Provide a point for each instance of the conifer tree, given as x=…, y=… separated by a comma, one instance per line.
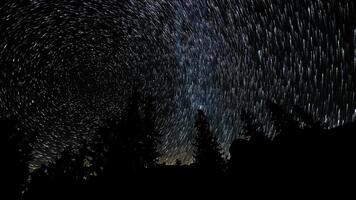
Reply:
x=15, y=148
x=207, y=153
x=152, y=137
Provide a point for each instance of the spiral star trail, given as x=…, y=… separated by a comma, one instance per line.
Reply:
x=68, y=65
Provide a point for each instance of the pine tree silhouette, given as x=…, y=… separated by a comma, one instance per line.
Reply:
x=132, y=137
x=63, y=178
x=152, y=137
x=207, y=153
x=15, y=154
x=41, y=184
x=127, y=144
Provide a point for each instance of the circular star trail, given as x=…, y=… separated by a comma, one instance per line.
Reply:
x=67, y=65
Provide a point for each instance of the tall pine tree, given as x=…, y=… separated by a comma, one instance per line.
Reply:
x=152, y=136
x=130, y=140
x=207, y=153
x=15, y=152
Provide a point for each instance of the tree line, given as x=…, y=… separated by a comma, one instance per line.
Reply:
x=125, y=150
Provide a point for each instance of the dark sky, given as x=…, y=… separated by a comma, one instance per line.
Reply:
x=67, y=65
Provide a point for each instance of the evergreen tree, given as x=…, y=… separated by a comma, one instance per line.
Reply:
x=103, y=149
x=62, y=178
x=207, y=152
x=152, y=137
x=40, y=183
x=15, y=154
x=91, y=159
x=132, y=137
x=130, y=142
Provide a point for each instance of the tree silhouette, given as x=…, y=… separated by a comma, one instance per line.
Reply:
x=127, y=144
x=207, y=153
x=40, y=183
x=178, y=162
x=62, y=178
x=15, y=155
x=70, y=168
x=152, y=137
x=131, y=136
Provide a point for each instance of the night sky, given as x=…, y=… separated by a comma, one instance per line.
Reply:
x=66, y=66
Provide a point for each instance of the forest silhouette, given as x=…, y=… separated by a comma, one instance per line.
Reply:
x=123, y=155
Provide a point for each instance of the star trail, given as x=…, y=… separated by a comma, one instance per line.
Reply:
x=68, y=65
